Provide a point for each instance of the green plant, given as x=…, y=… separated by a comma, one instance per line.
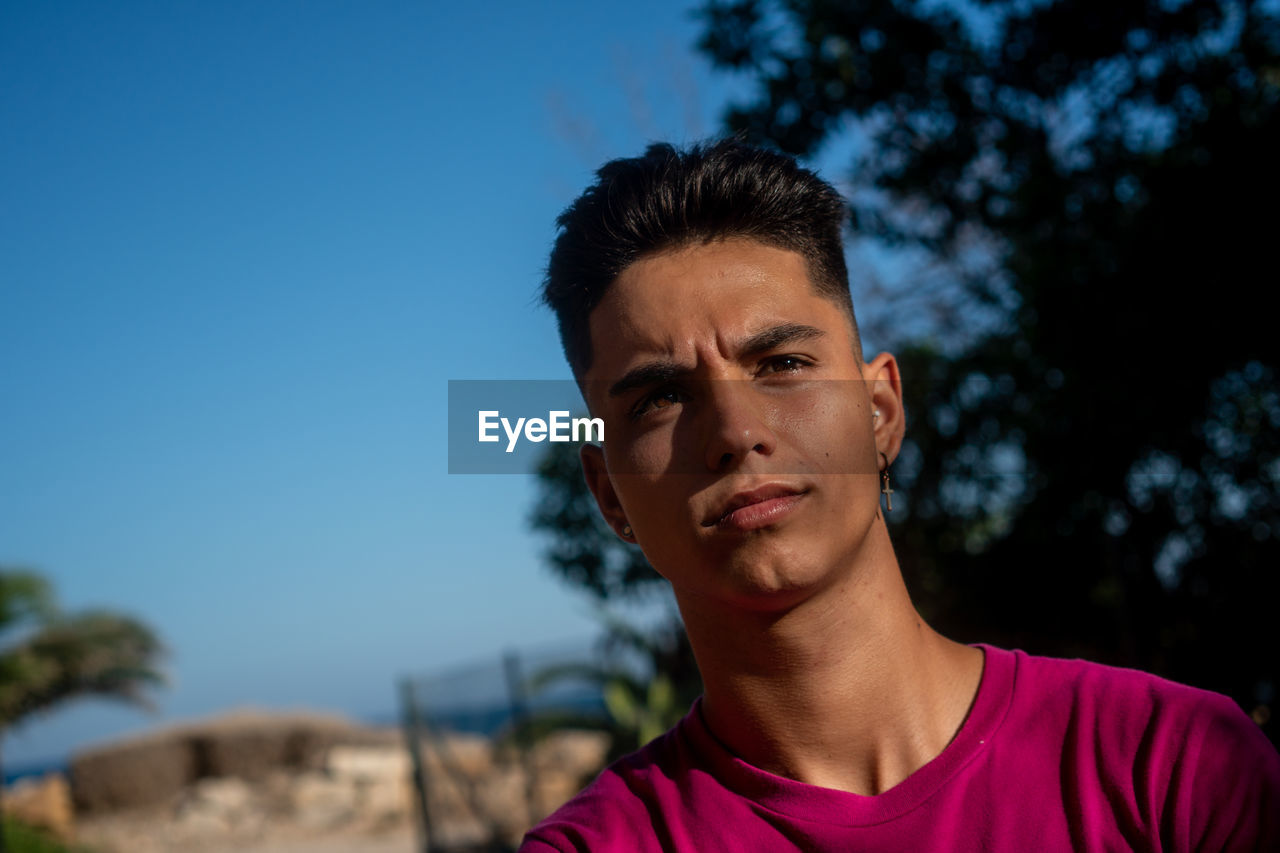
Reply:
x=20, y=838
x=647, y=681
x=49, y=657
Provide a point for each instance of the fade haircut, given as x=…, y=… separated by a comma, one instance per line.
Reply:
x=669, y=199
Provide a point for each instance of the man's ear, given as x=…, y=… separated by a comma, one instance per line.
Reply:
x=884, y=386
x=597, y=477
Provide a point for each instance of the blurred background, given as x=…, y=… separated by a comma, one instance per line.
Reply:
x=245, y=247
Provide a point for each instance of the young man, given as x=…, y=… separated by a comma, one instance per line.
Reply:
x=704, y=307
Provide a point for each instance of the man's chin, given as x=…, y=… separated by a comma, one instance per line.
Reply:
x=769, y=587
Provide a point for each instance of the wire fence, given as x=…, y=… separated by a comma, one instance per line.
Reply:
x=497, y=745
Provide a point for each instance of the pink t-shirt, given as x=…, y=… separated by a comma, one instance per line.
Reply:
x=1054, y=755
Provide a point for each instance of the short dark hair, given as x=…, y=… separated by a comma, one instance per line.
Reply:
x=668, y=199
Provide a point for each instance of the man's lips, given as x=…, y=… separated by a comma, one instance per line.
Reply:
x=755, y=508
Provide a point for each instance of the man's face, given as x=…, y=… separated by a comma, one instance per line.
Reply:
x=740, y=441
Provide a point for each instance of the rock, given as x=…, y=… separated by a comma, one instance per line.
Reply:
x=43, y=803
x=382, y=776
x=229, y=800
x=320, y=801
x=133, y=774
x=196, y=823
x=563, y=761
x=257, y=779
x=385, y=801
x=503, y=796
x=250, y=745
x=368, y=762
x=470, y=754
x=571, y=751
x=150, y=770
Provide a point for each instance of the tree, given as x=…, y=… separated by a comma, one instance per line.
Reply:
x=51, y=657
x=641, y=700
x=1095, y=455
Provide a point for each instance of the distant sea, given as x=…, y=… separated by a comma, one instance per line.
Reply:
x=22, y=771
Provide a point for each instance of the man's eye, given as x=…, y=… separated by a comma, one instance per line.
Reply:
x=661, y=399
x=785, y=364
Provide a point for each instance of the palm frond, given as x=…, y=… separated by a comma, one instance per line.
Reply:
x=95, y=653
x=25, y=596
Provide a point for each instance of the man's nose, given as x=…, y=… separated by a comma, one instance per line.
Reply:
x=735, y=424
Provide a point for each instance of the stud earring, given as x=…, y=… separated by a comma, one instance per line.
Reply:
x=626, y=531
x=885, y=488
x=876, y=413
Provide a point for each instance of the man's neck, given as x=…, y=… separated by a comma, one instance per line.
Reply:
x=849, y=689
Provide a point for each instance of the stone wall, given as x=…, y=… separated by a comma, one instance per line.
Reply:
x=150, y=770
x=233, y=782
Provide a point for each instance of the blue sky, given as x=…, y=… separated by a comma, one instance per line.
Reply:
x=245, y=246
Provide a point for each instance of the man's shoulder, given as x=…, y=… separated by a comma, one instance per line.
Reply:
x=592, y=820
x=615, y=806
x=1193, y=750
x=1119, y=693
x=1125, y=709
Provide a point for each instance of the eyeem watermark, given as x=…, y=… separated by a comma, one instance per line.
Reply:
x=507, y=426
x=558, y=426
x=798, y=426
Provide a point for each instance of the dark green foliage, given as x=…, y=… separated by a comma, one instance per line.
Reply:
x=48, y=658
x=649, y=676
x=1094, y=471
x=55, y=657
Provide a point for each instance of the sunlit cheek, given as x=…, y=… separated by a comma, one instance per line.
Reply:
x=810, y=414
x=798, y=412
x=825, y=423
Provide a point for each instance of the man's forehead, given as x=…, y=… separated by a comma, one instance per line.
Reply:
x=707, y=268
x=731, y=289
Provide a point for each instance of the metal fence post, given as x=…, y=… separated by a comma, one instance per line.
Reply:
x=413, y=735
x=520, y=721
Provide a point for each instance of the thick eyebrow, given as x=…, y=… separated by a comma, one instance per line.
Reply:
x=649, y=373
x=777, y=336
x=663, y=370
